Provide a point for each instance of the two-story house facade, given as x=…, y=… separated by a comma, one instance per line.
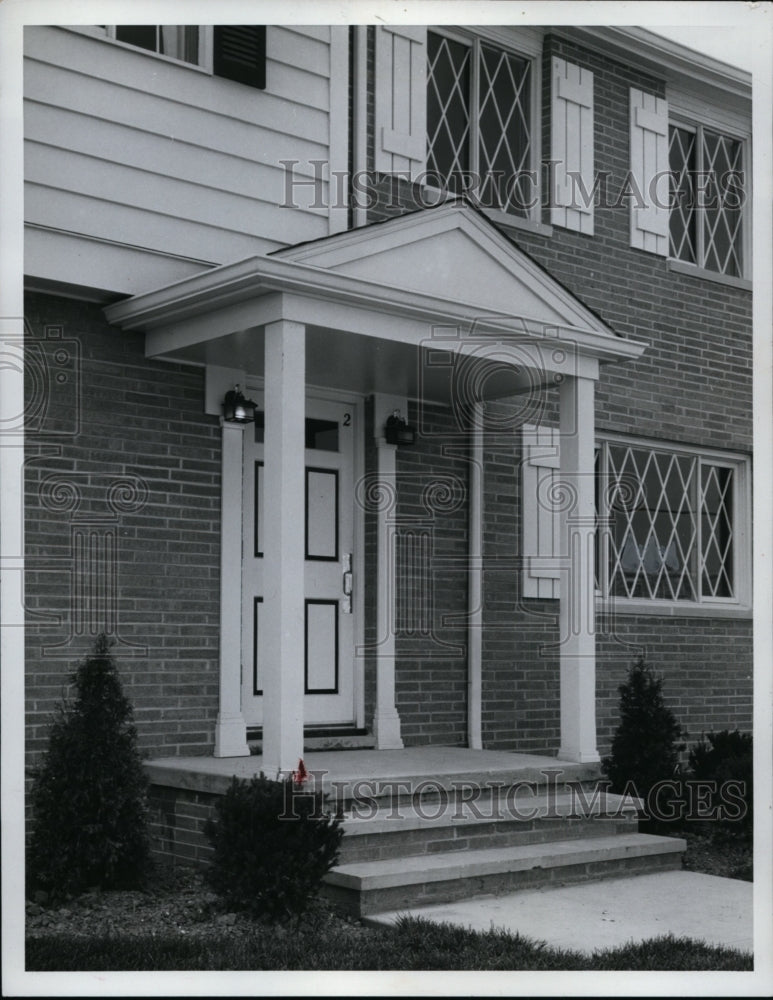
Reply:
x=489, y=290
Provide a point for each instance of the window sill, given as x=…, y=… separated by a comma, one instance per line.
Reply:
x=670, y=609
x=95, y=32
x=505, y=220
x=680, y=267
x=515, y=222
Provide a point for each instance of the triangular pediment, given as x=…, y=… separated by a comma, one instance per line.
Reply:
x=454, y=254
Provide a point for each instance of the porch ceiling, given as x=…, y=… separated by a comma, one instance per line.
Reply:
x=341, y=360
x=392, y=307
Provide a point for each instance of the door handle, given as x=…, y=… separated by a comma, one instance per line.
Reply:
x=347, y=584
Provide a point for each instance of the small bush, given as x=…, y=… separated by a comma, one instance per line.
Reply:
x=722, y=758
x=645, y=749
x=272, y=846
x=89, y=795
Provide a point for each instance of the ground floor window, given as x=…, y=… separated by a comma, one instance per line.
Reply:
x=673, y=524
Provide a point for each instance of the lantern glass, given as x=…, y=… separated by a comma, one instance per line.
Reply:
x=237, y=409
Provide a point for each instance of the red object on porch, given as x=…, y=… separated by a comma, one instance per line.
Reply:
x=301, y=775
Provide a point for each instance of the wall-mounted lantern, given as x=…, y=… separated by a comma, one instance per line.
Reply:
x=237, y=409
x=398, y=431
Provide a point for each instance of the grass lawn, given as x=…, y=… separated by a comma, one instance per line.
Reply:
x=415, y=944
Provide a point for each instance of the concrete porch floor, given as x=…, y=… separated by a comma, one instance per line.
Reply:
x=412, y=766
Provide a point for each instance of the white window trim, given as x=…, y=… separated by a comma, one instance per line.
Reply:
x=203, y=65
x=684, y=117
x=738, y=606
x=528, y=47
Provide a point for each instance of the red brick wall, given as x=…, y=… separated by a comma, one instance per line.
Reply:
x=138, y=477
x=431, y=641
x=706, y=665
x=177, y=824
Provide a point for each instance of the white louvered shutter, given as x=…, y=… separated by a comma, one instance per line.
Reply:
x=571, y=146
x=540, y=517
x=649, y=172
x=401, y=100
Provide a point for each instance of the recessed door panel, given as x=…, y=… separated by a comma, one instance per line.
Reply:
x=321, y=647
x=322, y=514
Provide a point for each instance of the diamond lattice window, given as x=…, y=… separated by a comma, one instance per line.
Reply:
x=448, y=111
x=479, y=134
x=707, y=193
x=669, y=525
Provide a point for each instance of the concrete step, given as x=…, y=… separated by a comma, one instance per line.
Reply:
x=428, y=827
x=397, y=778
x=368, y=887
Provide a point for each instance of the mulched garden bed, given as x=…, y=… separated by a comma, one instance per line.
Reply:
x=177, y=901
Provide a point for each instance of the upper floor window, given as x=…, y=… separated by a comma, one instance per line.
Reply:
x=178, y=41
x=479, y=121
x=707, y=184
x=689, y=172
x=233, y=51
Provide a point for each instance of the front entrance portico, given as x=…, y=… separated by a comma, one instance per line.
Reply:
x=355, y=312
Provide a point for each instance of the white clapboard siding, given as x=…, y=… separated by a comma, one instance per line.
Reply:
x=237, y=210
x=540, y=519
x=102, y=264
x=285, y=44
x=649, y=172
x=124, y=146
x=158, y=231
x=229, y=127
x=401, y=99
x=571, y=146
x=318, y=31
x=284, y=85
x=175, y=158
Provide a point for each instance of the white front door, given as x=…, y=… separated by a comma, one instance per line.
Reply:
x=328, y=532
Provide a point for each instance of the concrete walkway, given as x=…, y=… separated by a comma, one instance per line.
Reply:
x=610, y=912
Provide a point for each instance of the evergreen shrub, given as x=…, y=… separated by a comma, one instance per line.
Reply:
x=647, y=743
x=89, y=795
x=273, y=843
x=721, y=758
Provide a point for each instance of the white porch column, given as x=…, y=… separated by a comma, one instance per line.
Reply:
x=230, y=729
x=386, y=723
x=577, y=604
x=475, y=583
x=281, y=638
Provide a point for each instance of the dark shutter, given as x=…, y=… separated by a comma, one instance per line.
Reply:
x=239, y=53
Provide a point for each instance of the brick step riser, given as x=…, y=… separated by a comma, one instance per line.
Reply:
x=359, y=904
x=474, y=836
x=364, y=799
